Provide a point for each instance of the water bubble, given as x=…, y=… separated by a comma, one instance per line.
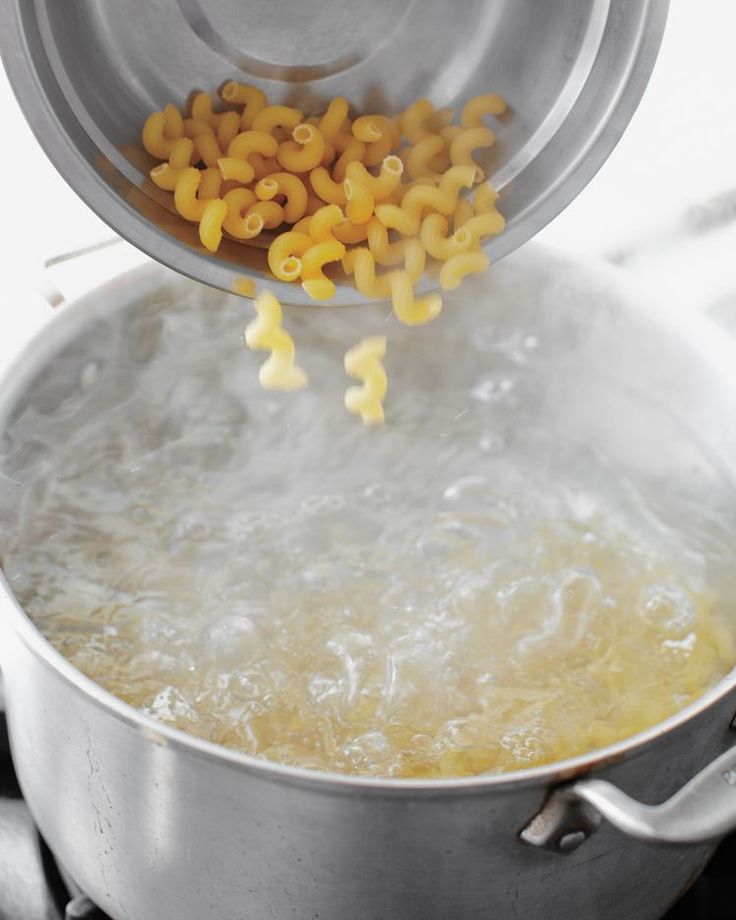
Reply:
x=668, y=608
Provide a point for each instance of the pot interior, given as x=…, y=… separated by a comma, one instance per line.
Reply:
x=553, y=490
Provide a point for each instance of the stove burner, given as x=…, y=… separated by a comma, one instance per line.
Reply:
x=34, y=886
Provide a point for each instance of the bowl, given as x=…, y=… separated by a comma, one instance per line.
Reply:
x=87, y=75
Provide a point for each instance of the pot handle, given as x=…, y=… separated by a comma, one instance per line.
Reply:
x=704, y=809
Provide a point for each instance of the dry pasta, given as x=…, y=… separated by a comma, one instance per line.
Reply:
x=364, y=362
x=368, y=191
x=265, y=333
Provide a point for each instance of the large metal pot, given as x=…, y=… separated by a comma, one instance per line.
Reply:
x=88, y=73
x=155, y=824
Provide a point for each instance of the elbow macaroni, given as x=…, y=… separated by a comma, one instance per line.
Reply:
x=265, y=333
x=364, y=362
x=334, y=189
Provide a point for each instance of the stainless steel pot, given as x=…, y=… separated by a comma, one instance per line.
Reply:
x=156, y=824
x=88, y=73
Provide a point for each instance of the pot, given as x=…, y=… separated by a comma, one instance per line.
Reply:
x=573, y=74
x=158, y=824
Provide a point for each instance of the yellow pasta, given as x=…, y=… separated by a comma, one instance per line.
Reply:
x=323, y=222
x=271, y=212
x=154, y=140
x=207, y=149
x=420, y=157
x=456, y=268
x=363, y=362
x=330, y=183
x=273, y=116
x=379, y=186
x=210, y=226
x=359, y=263
x=462, y=147
x=227, y=129
x=201, y=108
x=384, y=252
x=377, y=133
x=478, y=106
x=304, y=153
x=173, y=122
x=245, y=287
x=332, y=121
x=284, y=254
x=349, y=233
x=238, y=223
x=326, y=188
x=481, y=225
x=210, y=185
x=266, y=333
x=350, y=150
x=243, y=94
x=434, y=237
x=407, y=310
x=360, y=202
x=235, y=168
x=291, y=188
x=397, y=218
x=313, y=262
x=249, y=142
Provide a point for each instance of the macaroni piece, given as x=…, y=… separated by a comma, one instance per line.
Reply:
x=228, y=129
x=409, y=311
x=201, y=108
x=360, y=202
x=245, y=287
x=313, y=262
x=273, y=116
x=182, y=151
x=350, y=233
x=363, y=362
x=154, y=140
x=462, y=147
x=435, y=239
x=291, y=188
x=464, y=210
x=251, y=97
x=457, y=267
x=350, y=150
x=210, y=225
x=489, y=224
x=210, y=185
x=413, y=121
x=394, y=217
x=284, y=253
x=265, y=333
x=384, y=252
x=173, y=122
x=377, y=133
x=332, y=121
x=326, y=188
x=186, y=201
x=250, y=142
x=421, y=157
x=237, y=169
x=271, y=212
x=324, y=221
x=476, y=108
x=379, y=186
x=360, y=263
x=239, y=223
x=207, y=148
x=305, y=152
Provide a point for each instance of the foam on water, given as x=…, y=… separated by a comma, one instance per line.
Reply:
x=475, y=588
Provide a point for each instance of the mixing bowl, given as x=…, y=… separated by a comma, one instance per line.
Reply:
x=88, y=73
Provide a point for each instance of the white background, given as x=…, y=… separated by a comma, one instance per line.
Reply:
x=679, y=153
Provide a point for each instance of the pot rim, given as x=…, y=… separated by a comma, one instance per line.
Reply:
x=701, y=332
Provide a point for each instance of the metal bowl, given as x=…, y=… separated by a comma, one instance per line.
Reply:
x=88, y=73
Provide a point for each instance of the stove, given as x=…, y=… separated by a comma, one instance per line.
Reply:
x=34, y=886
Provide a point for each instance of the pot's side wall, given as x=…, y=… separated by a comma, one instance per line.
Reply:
x=152, y=831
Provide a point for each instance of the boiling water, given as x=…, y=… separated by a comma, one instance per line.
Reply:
x=477, y=587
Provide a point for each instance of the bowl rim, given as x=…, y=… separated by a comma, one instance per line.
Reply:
x=114, y=294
